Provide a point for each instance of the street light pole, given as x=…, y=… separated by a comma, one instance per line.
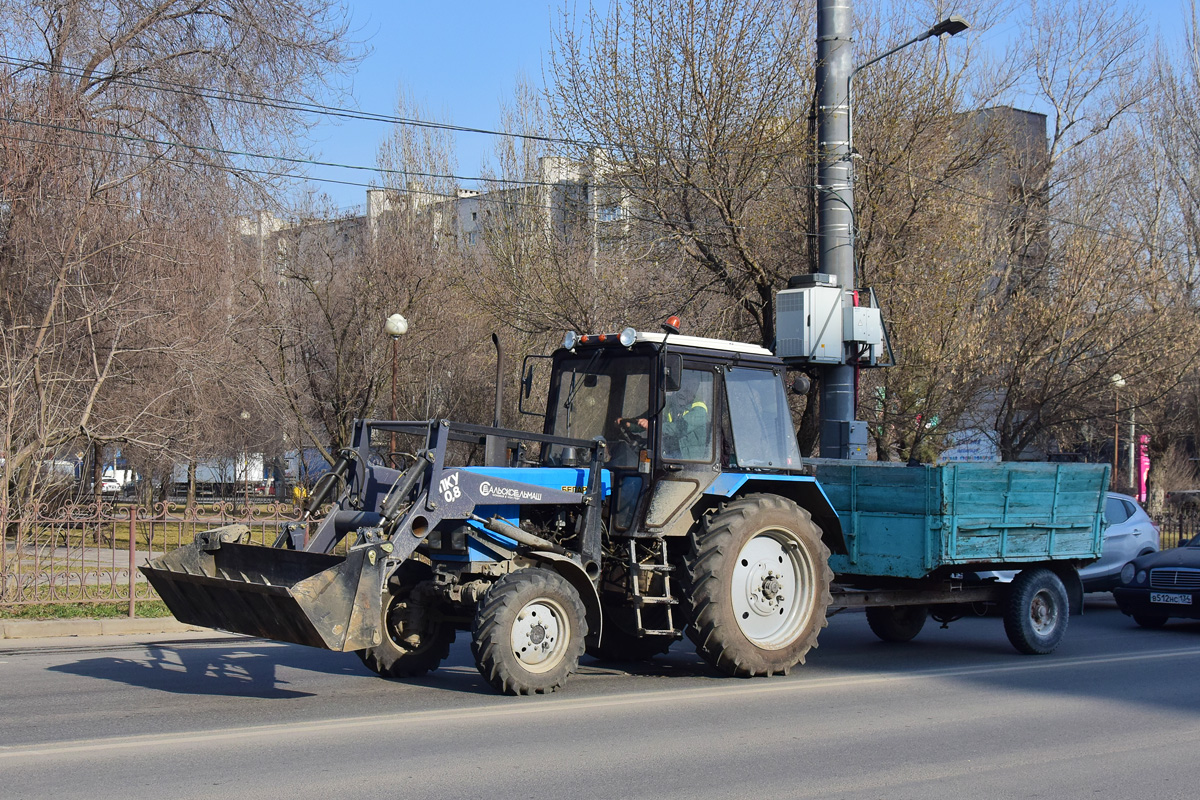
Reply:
x=835, y=198
x=1118, y=383
x=396, y=326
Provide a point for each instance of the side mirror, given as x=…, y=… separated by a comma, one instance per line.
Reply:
x=527, y=387
x=672, y=372
x=527, y=382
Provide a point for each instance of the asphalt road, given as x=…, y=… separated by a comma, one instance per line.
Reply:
x=957, y=713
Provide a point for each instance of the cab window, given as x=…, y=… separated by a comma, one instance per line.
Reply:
x=760, y=420
x=687, y=426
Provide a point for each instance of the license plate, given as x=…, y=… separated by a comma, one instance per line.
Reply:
x=1175, y=599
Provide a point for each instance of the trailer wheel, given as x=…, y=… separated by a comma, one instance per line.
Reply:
x=1036, y=613
x=528, y=632
x=756, y=581
x=414, y=640
x=897, y=623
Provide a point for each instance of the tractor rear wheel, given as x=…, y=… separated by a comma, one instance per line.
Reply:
x=756, y=581
x=415, y=640
x=528, y=632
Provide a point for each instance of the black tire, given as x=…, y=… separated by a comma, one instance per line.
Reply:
x=746, y=619
x=618, y=644
x=415, y=639
x=1151, y=621
x=1036, y=612
x=528, y=632
x=897, y=623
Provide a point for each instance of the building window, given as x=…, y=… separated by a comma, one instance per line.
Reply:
x=471, y=238
x=609, y=213
x=474, y=216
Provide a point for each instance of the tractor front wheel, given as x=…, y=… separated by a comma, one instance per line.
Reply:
x=415, y=640
x=528, y=632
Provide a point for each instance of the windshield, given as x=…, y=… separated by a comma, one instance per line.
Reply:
x=591, y=393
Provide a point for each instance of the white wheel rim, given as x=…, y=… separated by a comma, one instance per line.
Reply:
x=540, y=635
x=773, y=589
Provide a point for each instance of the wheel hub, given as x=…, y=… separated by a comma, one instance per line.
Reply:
x=771, y=589
x=1043, y=614
x=538, y=636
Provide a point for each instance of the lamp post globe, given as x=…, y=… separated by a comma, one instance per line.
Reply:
x=396, y=326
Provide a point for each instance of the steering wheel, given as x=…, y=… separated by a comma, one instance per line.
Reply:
x=631, y=433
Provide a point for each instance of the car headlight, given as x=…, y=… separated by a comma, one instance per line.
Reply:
x=1127, y=573
x=1141, y=576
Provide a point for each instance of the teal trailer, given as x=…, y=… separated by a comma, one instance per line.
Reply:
x=918, y=521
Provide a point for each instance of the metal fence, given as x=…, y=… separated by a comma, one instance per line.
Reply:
x=1178, y=526
x=90, y=554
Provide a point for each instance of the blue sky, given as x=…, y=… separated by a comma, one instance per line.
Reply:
x=459, y=60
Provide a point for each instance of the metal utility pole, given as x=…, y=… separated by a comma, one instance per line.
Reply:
x=835, y=208
x=841, y=435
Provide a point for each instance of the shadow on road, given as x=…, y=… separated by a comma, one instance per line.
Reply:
x=234, y=672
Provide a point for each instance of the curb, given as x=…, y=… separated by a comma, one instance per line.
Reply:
x=118, y=626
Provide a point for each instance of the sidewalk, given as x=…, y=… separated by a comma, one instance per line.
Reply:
x=116, y=626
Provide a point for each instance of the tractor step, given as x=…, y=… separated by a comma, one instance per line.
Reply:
x=646, y=600
x=637, y=567
x=672, y=633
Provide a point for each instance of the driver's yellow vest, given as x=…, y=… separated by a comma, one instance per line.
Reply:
x=697, y=404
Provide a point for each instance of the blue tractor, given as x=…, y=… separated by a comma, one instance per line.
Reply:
x=664, y=494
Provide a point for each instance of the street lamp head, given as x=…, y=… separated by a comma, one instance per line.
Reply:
x=948, y=27
x=1118, y=381
x=396, y=326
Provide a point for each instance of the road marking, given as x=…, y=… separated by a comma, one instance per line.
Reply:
x=508, y=707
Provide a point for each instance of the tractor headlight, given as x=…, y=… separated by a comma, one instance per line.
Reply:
x=628, y=337
x=569, y=340
x=1127, y=573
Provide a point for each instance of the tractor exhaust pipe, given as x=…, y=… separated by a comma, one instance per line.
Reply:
x=497, y=416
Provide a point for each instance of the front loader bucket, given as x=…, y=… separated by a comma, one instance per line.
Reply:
x=287, y=595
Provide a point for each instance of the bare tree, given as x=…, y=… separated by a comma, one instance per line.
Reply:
x=120, y=124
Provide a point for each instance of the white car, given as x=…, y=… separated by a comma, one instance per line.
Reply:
x=1128, y=533
x=110, y=486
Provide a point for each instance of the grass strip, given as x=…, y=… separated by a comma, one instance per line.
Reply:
x=143, y=609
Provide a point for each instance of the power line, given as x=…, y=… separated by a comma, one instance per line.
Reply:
x=236, y=170
x=266, y=101
x=516, y=182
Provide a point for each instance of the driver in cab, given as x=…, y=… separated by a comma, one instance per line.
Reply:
x=687, y=429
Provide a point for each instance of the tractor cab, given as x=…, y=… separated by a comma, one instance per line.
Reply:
x=676, y=411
